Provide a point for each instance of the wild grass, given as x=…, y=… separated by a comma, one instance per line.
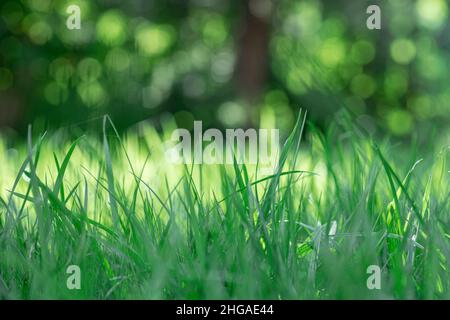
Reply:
x=138, y=227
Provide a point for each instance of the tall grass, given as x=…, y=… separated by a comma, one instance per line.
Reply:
x=138, y=227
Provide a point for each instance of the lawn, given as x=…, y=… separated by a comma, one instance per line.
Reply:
x=338, y=201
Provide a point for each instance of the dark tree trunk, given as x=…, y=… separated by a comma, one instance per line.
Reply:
x=251, y=69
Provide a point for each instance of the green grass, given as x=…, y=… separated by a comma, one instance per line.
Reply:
x=141, y=228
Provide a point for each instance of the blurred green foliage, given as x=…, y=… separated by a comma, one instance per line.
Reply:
x=198, y=59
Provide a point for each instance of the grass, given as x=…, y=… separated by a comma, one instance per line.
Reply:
x=137, y=227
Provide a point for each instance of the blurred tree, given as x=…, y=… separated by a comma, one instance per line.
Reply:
x=223, y=61
x=252, y=63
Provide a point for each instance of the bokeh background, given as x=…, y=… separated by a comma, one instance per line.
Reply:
x=224, y=62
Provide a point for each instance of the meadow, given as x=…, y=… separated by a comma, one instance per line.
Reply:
x=337, y=202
